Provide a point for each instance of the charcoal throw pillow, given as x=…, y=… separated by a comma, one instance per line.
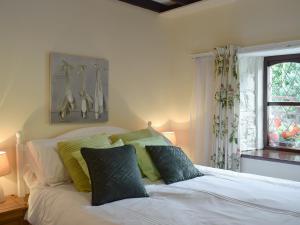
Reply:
x=114, y=174
x=172, y=163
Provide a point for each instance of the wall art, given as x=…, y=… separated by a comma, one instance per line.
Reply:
x=79, y=88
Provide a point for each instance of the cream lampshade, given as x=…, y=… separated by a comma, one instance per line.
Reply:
x=4, y=170
x=171, y=136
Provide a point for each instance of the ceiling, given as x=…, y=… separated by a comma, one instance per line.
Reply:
x=160, y=5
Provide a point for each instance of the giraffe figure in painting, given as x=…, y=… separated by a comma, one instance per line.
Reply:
x=86, y=100
x=68, y=102
x=99, y=97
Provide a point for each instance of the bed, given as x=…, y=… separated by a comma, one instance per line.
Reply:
x=218, y=197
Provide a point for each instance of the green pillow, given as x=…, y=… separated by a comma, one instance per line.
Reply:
x=133, y=135
x=77, y=155
x=65, y=150
x=145, y=163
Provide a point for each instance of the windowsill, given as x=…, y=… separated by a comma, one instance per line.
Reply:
x=273, y=155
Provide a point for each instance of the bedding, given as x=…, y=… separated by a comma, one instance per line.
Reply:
x=218, y=198
x=145, y=163
x=46, y=163
x=77, y=155
x=133, y=135
x=172, y=163
x=65, y=150
x=114, y=173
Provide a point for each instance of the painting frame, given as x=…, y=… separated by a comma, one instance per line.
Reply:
x=78, y=89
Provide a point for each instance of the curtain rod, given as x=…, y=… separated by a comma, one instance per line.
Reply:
x=257, y=48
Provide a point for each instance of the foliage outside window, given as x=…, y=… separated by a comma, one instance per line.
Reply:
x=282, y=102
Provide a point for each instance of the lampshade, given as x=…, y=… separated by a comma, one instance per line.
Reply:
x=171, y=136
x=4, y=165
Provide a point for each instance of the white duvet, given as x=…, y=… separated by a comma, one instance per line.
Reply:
x=218, y=198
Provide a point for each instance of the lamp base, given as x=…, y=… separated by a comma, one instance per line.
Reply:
x=2, y=197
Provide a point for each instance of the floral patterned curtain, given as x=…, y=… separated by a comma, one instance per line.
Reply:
x=226, y=154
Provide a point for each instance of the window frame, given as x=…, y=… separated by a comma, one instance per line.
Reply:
x=270, y=61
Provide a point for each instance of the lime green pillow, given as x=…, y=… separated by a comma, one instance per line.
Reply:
x=133, y=135
x=65, y=150
x=145, y=163
x=77, y=155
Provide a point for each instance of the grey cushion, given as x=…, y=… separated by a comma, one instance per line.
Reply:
x=114, y=174
x=172, y=163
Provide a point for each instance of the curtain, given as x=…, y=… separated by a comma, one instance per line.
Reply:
x=226, y=153
x=202, y=112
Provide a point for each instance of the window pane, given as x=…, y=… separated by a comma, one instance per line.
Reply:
x=284, y=126
x=284, y=82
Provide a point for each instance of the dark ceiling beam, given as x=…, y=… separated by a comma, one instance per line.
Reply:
x=148, y=4
x=184, y=2
x=159, y=7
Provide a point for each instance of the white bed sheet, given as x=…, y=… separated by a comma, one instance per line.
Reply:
x=218, y=198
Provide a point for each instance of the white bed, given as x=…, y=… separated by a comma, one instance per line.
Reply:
x=218, y=198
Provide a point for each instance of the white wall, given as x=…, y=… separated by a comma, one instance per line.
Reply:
x=243, y=23
x=271, y=169
x=132, y=39
x=151, y=71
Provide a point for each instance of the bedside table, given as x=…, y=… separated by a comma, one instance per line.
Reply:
x=12, y=211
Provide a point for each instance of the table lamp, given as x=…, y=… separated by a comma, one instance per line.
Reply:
x=171, y=136
x=4, y=170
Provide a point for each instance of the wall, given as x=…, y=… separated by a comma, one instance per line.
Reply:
x=243, y=23
x=251, y=73
x=145, y=83
x=266, y=168
x=132, y=39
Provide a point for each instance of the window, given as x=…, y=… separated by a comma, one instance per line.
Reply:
x=282, y=102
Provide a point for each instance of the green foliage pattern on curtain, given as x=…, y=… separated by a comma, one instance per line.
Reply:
x=226, y=154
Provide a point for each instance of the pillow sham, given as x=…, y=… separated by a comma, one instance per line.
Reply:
x=65, y=150
x=133, y=135
x=46, y=163
x=44, y=159
x=145, y=163
x=77, y=155
x=172, y=163
x=114, y=174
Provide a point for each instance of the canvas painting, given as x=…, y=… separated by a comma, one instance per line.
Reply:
x=79, y=88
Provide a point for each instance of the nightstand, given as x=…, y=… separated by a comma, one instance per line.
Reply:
x=12, y=211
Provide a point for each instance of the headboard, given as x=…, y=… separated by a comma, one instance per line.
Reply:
x=82, y=132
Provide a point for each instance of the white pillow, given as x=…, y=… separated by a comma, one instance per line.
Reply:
x=30, y=179
x=47, y=166
x=50, y=169
x=30, y=165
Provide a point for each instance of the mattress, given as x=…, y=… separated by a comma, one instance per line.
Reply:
x=218, y=198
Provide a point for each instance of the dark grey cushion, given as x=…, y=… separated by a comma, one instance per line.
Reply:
x=172, y=164
x=114, y=174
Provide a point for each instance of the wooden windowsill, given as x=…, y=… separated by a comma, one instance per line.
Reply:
x=273, y=155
